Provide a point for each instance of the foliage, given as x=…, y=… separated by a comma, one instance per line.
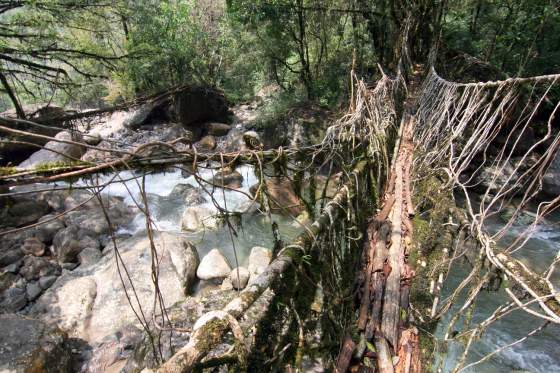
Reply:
x=50, y=48
x=518, y=37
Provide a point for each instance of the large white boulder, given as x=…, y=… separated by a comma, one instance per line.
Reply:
x=213, y=266
x=90, y=303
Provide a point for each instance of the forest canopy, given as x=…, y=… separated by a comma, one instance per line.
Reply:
x=95, y=53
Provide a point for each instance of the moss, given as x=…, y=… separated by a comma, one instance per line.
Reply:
x=52, y=166
x=5, y=171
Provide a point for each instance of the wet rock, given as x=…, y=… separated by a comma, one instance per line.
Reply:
x=91, y=217
x=90, y=303
x=175, y=132
x=188, y=265
x=69, y=242
x=228, y=177
x=239, y=277
x=45, y=282
x=188, y=193
x=197, y=218
x=33, y=290
x=217, y=129
x=10, y=255
x=54, y=199
x=33, y=246
x=35, y=267
x=7, y=279
x=89, y=256
x=22, y=211
x=282, y=197
x=28, y=345
x=92, y=139
x=13, y=299
x=61, y=152
x=206, y=144
x=213, y=266
x=259, y=259
x=46, y=231
x=492, y=178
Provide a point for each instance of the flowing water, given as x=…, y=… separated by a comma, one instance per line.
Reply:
x=166, y=212
x=538, y=353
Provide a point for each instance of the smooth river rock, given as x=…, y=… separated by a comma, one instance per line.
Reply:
x=197, y=218
x=213, y=266
x=90, y=302
x=239, y=277
x=259, y=259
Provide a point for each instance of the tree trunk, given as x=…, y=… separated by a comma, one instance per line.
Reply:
x=12, y=95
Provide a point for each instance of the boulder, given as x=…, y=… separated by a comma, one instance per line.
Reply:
x=91, y=216
x=7, y=279
x=228, y=177
x=10, y=255
x=33, y=290
x=55, y=151
x=197, y=218
x=33, y=246
x=17, y=212
x=282, y=197
x=89, y=256
x=198, y=104
x=175, y=132
x=206, y=144
x=217, y=129
x=188, y=193
x=29, y=345
x=239, y=277
x=70, y=241
x=90, y=303
x=494, y=177
x=93, y=139
x=35, y=267
x=54, y=199
x=46, y=231
x=96, y=155
x=14, y=298
x=213, y=266
x=259, y=259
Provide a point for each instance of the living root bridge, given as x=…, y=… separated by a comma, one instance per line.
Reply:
x=210, y=328
x=383, y=318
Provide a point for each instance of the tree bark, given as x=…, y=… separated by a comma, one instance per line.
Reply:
x=19, y=110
